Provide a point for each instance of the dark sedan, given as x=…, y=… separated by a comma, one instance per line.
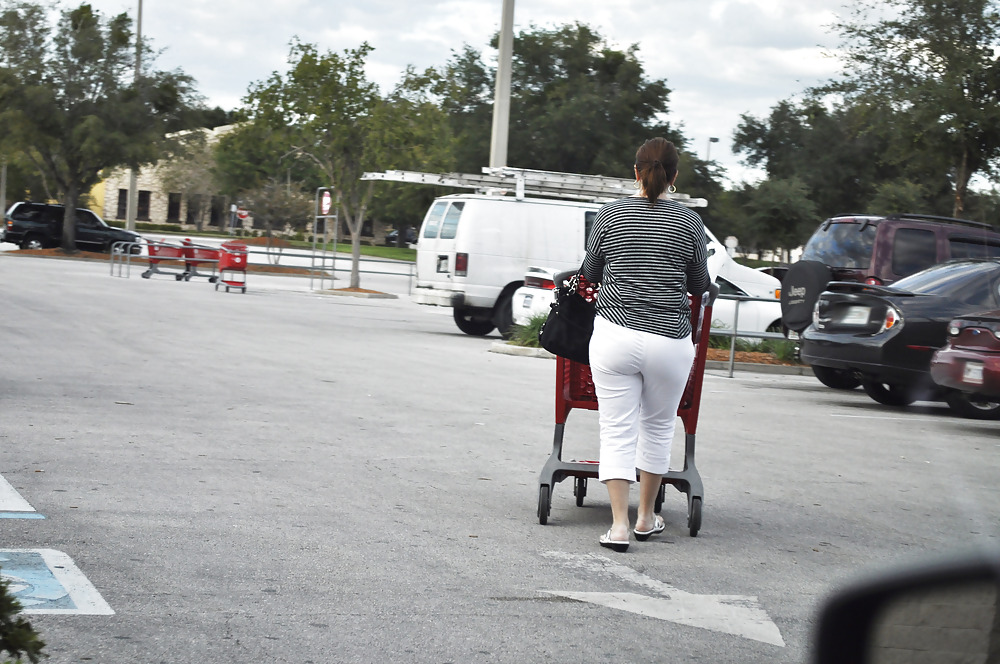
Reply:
x=970, y=361
x=889, y=334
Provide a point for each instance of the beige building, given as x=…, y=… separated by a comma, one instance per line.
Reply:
x=157, y=204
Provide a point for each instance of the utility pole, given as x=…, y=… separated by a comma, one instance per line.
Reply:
x=501, y=99
x=132, y=204
x=3, y=188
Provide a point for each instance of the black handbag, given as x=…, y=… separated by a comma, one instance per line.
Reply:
x=570, y=324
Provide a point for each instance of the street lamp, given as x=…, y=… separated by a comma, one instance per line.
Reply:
x=708, y=148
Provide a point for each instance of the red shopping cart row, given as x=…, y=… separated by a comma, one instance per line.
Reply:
x=226, y=265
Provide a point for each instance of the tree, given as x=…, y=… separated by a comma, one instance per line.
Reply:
x=276, y=204
x=577, y=104
x=334, y=119
x=935, y=65
x=781, y=214
x=189, y=169
x=17, y=636
x=70, y=102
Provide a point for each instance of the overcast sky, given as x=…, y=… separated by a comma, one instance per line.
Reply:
x=721, y=58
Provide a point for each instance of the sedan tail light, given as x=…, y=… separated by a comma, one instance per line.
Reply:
x=893, y=318
x=874, y=281
x=539, y=282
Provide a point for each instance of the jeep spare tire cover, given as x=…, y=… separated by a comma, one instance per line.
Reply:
x=800, y=289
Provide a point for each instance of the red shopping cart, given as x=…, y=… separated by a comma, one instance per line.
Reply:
x=575, y=389
x=233, y=266
x=195, y=255
x=163, y=252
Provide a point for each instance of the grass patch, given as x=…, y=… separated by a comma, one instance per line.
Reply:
x=527, y=335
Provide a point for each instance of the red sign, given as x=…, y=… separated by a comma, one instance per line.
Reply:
x=242, y=213
x=326, y=203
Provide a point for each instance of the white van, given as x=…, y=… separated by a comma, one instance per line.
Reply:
x=473, y=251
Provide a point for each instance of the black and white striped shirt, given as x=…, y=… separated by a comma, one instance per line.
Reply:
x=647, y=258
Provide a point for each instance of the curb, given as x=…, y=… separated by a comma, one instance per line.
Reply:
x=380, y=296
x=780, y=369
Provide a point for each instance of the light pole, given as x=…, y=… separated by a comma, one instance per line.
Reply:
x=501, y=99
x=132, y=203
x=708, y=148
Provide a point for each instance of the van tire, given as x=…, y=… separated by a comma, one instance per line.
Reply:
x=476, y=327
x=503, y=314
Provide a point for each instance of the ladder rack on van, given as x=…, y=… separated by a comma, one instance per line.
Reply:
x=522, y=182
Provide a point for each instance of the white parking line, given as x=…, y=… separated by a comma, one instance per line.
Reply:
x=11, y=500
x=46, y=581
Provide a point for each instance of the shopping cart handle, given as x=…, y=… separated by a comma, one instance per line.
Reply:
x=712, y=292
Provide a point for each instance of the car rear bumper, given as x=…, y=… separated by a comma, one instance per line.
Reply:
x=948, y=368
x=868, y=355
x=438, y=297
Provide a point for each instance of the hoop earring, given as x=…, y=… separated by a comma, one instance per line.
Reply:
x=636, y=185
x=671, y=189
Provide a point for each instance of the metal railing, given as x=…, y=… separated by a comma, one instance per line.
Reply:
x=122, y=256
x=736, y=332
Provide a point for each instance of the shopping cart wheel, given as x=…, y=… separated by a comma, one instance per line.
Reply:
x=694, y=518
x=658, y=503
x=580, y=490
x=244, y=290
x=216, y=286
x=187, y=277
x=146, y=274
x=544, y=504
x=178, y=277
x=212, y=280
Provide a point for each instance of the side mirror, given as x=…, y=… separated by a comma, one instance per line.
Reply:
x=945, y=610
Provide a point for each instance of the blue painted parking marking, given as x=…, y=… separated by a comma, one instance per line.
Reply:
x=13, y=506
x=46, y=581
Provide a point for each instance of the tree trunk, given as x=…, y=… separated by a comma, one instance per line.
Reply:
x=69, y=220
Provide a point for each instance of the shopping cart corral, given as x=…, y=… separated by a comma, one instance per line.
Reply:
x=575, y=389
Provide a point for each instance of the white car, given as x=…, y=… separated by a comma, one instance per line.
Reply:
x=538, y=292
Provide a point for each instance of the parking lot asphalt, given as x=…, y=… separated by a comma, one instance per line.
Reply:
x=284, y=476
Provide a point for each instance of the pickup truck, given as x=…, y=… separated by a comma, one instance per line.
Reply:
x=39, y=226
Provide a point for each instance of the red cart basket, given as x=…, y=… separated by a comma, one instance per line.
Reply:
x=164, y=251
x=195, y=255
x=575, y=389
x=233, y=266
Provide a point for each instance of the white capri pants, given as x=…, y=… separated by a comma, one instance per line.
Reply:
x=639, y=379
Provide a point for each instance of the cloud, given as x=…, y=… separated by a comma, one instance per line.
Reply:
x=721, y=58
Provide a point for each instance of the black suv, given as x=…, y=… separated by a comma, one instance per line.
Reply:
x=876, y=250
x=39, y=226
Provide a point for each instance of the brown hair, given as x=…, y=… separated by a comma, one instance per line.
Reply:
x=656, y=161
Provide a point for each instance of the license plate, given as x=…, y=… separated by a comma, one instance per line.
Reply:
x=442, y=265
x=793, y=335
x=973, y=373
x=527, y=301
x=856, y=315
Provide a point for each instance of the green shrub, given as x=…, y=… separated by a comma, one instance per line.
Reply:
x=17, y=636
x=527, y=335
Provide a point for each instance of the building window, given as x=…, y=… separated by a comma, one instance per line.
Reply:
x=173, y=207
x=142, y=211
x=217, y=213
x=122, y=204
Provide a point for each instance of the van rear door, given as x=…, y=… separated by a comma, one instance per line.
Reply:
x=436, y=258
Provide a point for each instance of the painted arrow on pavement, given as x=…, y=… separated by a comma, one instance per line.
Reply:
x=739, y=615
